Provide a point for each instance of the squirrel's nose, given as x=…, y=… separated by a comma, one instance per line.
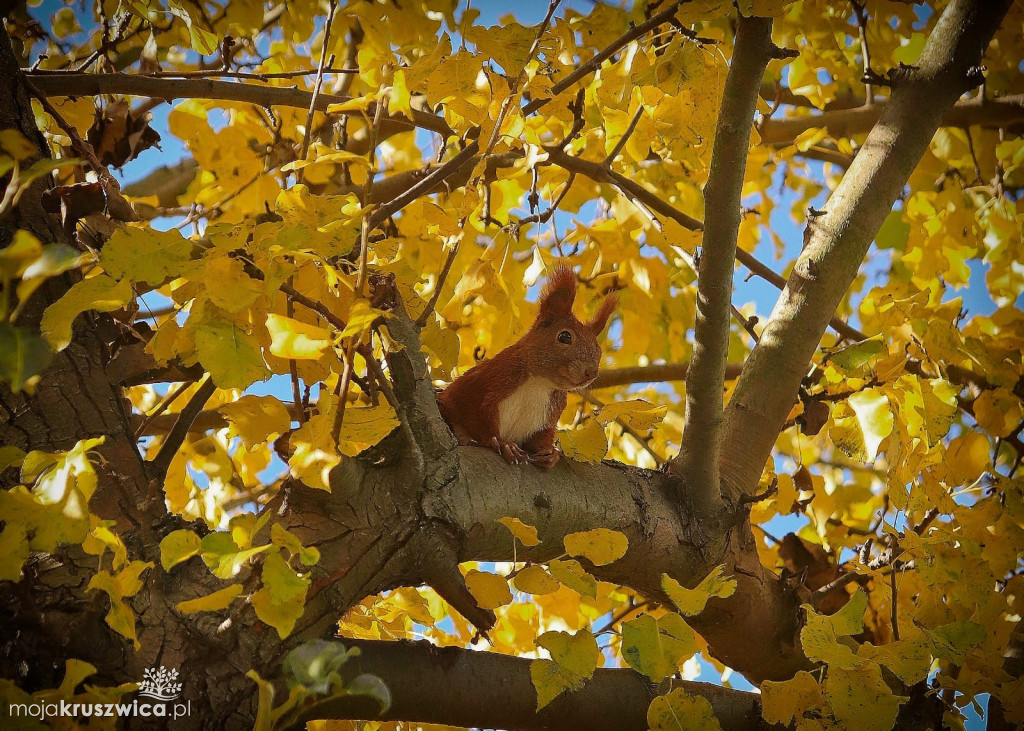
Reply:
x=590, y=373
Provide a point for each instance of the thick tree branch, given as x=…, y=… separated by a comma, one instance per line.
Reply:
x=458, y=687
x=838, y=240
x=699, y=450
x=163, y=88
x=654, y=373
x=979, y=111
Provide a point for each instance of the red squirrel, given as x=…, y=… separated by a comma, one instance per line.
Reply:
x=512, y=402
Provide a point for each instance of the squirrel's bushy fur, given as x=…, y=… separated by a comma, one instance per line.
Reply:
x=512, y=402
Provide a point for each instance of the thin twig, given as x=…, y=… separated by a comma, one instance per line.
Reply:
x=80, y=146
x=176, y=436
x=165, y=402
x=506, y=105
x=293, y=366
x=308, y=133
x=625, y=136
x=862, y=29
x=342, y=391
x=368, y=225
x=894, y=618
x=421, y=321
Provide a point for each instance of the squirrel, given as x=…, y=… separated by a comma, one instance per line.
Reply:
x=511, y=402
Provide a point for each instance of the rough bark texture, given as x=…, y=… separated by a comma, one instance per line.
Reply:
x=409, y=511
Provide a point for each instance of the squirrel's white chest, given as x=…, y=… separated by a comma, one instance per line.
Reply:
x=525, y=412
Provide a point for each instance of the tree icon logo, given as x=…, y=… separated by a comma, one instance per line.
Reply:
x=160, y=684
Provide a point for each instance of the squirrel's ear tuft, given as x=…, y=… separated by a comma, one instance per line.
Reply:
x=558, y=294
x=601, y=318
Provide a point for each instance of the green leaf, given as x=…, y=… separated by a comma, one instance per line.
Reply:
x=692, y=601
x=853, y=357
x=281, y=581
x=231, y=355
x=53, y=260
x=680, y=711
x=222, y=555
x=573, y=661
x=178, y=546
x=657, y=647
x=820, y=635
x=145, y=254
x=95, y=293
x=23, y=356
x=573, y=575
x=315, y=664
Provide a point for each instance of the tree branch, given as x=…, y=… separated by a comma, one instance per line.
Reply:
x=1001, y=112
x=163, y=88
x=838, y=241
x=700, y=447
x=457, y=687
x=654, y=373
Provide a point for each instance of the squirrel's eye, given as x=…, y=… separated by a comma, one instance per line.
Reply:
x=565, y=337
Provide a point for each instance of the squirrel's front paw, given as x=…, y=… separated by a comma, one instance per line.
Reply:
x=511, y=451
x=545, y=460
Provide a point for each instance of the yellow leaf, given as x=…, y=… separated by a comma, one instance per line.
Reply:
x=13, y=551
x=573, y=661
x=291, y=338
x=535, y=580
x=526, y=534
x=784, y=701
x=875, y=417
x=820, y=636
x=256, y=419
x=126, y=583
x=228, y=286
x=178, y=546
x=283, y=583
x=967, y=457
x=600, y=546
x=860, y=698
x=692, y=601
x=657, y=647
x=587, y=443
x=680, y=711
x=572, y=574
x=145, y=254
x=907, y=658
x=95, y=293
x=211, y=602
x=230, y=354
x=490, y=590
x=281, y=617
x=998, y=411
x=639, y=414
x=75, y=671
x=365, y=426
x=360, y=318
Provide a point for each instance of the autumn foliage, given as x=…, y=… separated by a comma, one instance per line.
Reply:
x=219, y=445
